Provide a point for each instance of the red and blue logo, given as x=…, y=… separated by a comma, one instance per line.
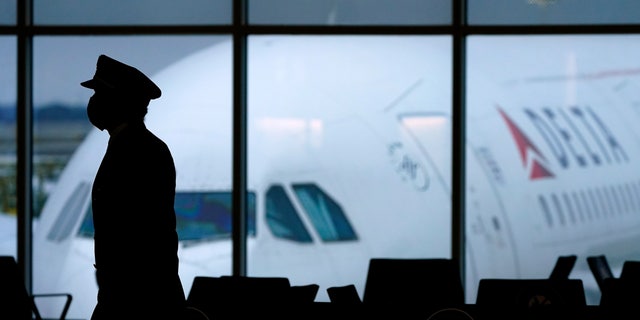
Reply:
x=575, y=138
x=528, y=151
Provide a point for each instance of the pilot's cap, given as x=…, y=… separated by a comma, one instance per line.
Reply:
x=113, y=74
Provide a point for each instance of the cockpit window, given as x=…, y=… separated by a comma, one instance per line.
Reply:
x=205, y=216
x=325, y=214
x=199, y=216
x=70, y=212
x=86, y=228
x=282, y=218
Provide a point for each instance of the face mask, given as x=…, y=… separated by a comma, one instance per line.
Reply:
x=101, y=113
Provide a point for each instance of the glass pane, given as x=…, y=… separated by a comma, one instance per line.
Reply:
x=139, y=12
x=542, y=12
x=8, y=188
x=348, y=115
x=193, y=116
x=282, y=218
x=207, y=216
x=350, y=12
x=8, y=12
x=324, y=213
x=200, y=217
x=551, y=154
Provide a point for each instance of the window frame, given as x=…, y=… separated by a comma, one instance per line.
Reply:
x=240, y=30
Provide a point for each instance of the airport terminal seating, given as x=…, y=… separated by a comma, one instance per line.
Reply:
x=344, y=295
x=305, y=293
x=15, y=302
x=630, y=270
x=621, y=296
x=412, y=298
x=413, y=287
x=562, y=269
x=421, y=289
x=228, y=297
x=394, y=287
x=531, y=299
x=599, y=266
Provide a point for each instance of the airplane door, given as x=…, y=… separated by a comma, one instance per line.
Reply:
x=489, y=247
x=490, y=250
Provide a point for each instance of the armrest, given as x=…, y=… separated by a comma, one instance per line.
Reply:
x=67, y=303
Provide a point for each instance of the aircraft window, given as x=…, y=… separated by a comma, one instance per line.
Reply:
x=558, y=207
x=282, y=218
x=86, y=227
x=325, y=214
x=569, y=207
x=590, y=204
x=600, y=203
x=71, y=210
x=578, y=206
x=635, y=194
x=620, y=201
x=587, y=204
x=632, y=199
x=545, y=209
x=199, y=216
x=628, y=204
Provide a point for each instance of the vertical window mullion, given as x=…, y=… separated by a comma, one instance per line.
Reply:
x=24, y=140
x=458, y=136
x=239, y=202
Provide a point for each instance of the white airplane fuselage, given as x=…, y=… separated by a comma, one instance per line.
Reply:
x=378, y=142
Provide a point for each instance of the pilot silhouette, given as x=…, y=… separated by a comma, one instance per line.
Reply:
x=136, y=243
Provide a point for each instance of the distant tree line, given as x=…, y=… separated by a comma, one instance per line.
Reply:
x=50, y=112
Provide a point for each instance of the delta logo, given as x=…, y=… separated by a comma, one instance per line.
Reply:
x=576, y=136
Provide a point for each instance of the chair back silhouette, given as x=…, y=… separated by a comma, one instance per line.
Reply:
x=621, y=295
x=15, y=302
x=14, y=299
x=630, y=271
x=531, y=298
x=304, y=293
x=562, y=269
x=527, y=293
x=344, y=295
x=618, y=294
x=600, y=269
x=214, y=295
x=413, y=285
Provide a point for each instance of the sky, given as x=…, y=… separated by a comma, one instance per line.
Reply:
x=62, y=62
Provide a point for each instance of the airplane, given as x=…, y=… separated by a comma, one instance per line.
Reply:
x=349, y=158
x=8, y=231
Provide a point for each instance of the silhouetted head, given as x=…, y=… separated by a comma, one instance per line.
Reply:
x=115, y=75
x=122, y=94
